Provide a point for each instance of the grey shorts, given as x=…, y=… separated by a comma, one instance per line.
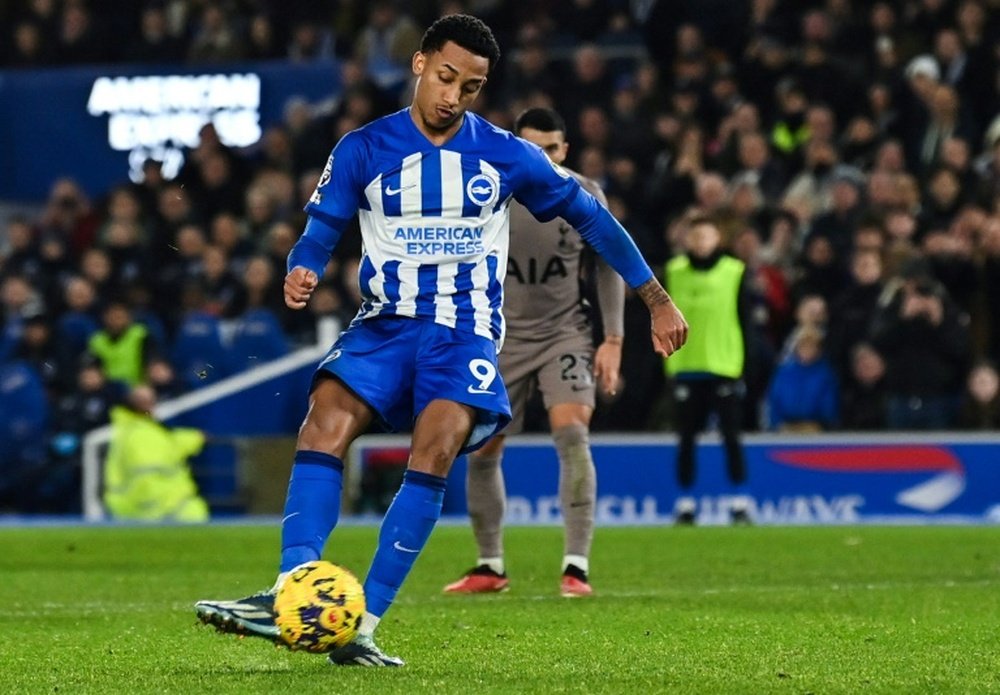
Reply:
x=562, y=369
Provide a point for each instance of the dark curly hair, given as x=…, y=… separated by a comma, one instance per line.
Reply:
x=538, y=118
x=467, y=31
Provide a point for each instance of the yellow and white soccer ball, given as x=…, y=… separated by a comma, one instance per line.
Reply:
x=319, y=607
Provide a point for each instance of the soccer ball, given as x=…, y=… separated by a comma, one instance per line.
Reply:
x=319, y=607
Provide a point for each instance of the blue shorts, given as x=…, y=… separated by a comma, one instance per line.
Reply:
x=398, y=365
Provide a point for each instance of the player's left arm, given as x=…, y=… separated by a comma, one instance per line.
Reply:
x=611, y=304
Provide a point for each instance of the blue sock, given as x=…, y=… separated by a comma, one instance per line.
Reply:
x=311, y=507
x=405, y=529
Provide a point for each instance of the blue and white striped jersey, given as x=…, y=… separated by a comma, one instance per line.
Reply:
x=434, y=220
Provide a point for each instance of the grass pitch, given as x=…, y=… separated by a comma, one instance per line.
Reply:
x=702, y=610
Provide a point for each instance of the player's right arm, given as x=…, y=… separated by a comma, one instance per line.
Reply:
x=330, y=208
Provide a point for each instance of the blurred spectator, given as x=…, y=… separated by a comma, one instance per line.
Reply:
x=951, y=260
x=180, y=265
x=68, y=214
x=29, y=47
x=262, y=39
x=863, y=403
x=854, y=307
x=24, y=419
x=222, y=290
x=530, y=71
x=309, y=41
x=260, y=289
x=79, y=319
x=174, y=210
x=804, y=396
x=808, y=194
x=790, y=132
x=769, y=309
x=146, y=475
x=821, y=272
x=160, y=375
x=981, y=400
x=196, y=349
x=922, y=78
x=123, y=346
x=216, y=38
x=946, y=120
x=50, y=360
x=19, y=301
x=838, y=223
x=990, y=285
x=229, y=235
x=21, y=256
x=924, y=339
x=126, y=252
x=943, y=200
x=589, y=84
x=387, y=44
x=81, y=38
x=84, y=407
x=154, y=43
x=754, y=157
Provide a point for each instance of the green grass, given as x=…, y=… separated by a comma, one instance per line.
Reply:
x=704, y=610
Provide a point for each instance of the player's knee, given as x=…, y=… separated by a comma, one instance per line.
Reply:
x=326, y=436
x=571, y=436
x=490, y=450
x=433, y=459
x=566, y=415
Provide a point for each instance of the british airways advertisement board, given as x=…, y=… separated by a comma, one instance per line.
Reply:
x=832, y=479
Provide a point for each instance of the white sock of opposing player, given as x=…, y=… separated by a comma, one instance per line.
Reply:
x=580, y=561
x=494, y=563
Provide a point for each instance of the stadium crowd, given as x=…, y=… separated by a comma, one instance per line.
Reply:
x=849, y=151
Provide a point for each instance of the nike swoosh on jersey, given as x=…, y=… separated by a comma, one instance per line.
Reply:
x=480, y=392
x=389, y=190
x=399, y=546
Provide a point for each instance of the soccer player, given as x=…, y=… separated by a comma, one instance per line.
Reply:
x=432, y=186
x=549, y=347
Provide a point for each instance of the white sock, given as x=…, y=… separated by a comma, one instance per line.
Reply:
x=494, y=563
x=580, y=561
x=369, y=621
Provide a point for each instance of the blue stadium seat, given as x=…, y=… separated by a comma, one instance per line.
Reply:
x=258, y=337
x=197, y=352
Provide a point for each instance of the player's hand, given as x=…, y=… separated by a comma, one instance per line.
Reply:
x=299, y=286
x=608, y=363
x=670, y=330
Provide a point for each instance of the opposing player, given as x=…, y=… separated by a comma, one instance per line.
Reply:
x=549, y=347
x=432, y=186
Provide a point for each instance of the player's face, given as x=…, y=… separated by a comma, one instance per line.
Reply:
x=448, y=82
x=552, y=142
